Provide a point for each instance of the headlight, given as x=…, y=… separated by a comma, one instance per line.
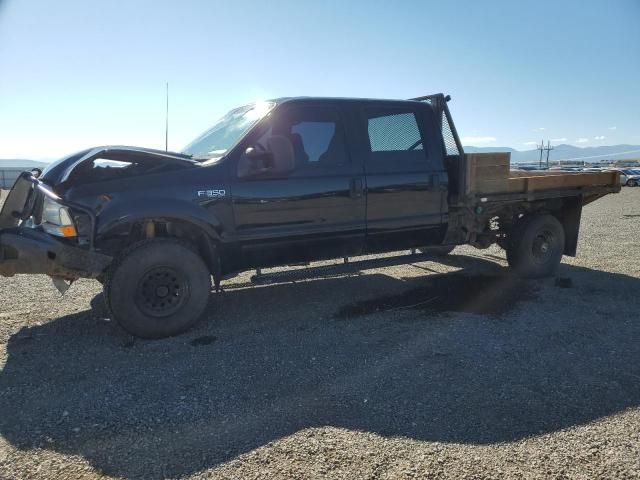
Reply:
x=56, y=219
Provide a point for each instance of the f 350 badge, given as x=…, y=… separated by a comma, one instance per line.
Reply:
x=211, y=193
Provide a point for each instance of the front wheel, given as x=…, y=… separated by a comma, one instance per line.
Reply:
x=632, y=183
x=158, y=288
x=535, y=246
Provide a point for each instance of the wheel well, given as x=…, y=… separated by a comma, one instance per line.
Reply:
x=567, y=210
x=121, y=237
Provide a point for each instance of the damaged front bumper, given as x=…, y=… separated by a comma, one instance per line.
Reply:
x=26, y=250
x=30, y=250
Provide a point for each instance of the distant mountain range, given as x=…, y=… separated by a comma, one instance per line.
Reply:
x=559, y=152
x=21, y=163
x=567, y=152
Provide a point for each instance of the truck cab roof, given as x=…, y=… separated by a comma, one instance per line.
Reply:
x=347, y=100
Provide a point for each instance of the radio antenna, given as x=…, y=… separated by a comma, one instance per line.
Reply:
x=166, y=123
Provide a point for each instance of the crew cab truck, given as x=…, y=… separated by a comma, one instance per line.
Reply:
x=275, y=183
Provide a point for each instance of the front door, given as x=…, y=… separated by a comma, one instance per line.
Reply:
x=314, y=211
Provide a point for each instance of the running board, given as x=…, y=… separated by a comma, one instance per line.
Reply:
x=338, y=269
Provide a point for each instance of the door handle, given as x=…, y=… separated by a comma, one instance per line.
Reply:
x=355, y=188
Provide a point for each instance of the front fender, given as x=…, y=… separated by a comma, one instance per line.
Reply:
x=118, y=213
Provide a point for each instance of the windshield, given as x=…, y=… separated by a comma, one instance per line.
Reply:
x=226, y=132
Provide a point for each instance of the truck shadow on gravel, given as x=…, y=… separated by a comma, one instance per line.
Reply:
x=352, y=352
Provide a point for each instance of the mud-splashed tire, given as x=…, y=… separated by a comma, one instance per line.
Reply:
x=158, y=288
x=535, y=246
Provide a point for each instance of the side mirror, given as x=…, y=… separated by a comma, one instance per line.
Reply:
x=254, y=153
x=278, y=159
x=255, y=161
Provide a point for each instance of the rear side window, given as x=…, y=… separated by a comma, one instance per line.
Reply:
x=395, y=141
x=394, y=132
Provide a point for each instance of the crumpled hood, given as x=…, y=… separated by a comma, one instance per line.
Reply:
x=74, y=167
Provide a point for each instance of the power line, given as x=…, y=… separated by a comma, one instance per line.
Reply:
x=541, y=148
x=548, y=149
x=166, y=122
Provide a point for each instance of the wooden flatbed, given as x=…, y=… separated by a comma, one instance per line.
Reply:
x=490, y=178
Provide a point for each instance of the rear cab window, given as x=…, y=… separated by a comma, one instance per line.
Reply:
x=391, y=132
x=395, y=140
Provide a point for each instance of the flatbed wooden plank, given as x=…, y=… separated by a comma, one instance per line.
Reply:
x=486, y=166
x=538, y=173
x=547, y=182
x=488, y=173
x=499, y=185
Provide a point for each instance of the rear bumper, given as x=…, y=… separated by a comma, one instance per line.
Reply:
x=26, y=250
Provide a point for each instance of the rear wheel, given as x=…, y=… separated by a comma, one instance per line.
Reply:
x=535, y=246
x=158, y=288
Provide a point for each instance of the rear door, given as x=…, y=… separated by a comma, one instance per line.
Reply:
x=315, y=211
x=406, y=181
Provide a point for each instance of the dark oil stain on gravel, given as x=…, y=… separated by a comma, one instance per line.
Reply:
x=19, y=340
x=204, y=340
x=479, y=294
x=563, y=282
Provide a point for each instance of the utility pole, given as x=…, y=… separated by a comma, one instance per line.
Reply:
x=166, y=122
x=548, y=149
x=541, y=148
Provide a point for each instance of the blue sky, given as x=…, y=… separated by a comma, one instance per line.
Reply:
x=76, y=73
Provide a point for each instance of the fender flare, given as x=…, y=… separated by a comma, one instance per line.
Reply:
x=122, y=213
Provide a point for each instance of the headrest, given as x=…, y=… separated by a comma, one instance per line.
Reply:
x=282, y=150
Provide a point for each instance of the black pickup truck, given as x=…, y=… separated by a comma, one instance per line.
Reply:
x=281, y=182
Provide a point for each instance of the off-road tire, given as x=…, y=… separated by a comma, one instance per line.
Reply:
x=157, y=288
x=535, y=246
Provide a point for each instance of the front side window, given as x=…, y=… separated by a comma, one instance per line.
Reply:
x=313, y=135
x=315, y=138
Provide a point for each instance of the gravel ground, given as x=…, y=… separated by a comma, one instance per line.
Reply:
x=399, y=372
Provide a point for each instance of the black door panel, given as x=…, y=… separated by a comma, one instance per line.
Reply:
x=304, y=206
x=397, y=201
x=315, y=211
x=405, y=178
